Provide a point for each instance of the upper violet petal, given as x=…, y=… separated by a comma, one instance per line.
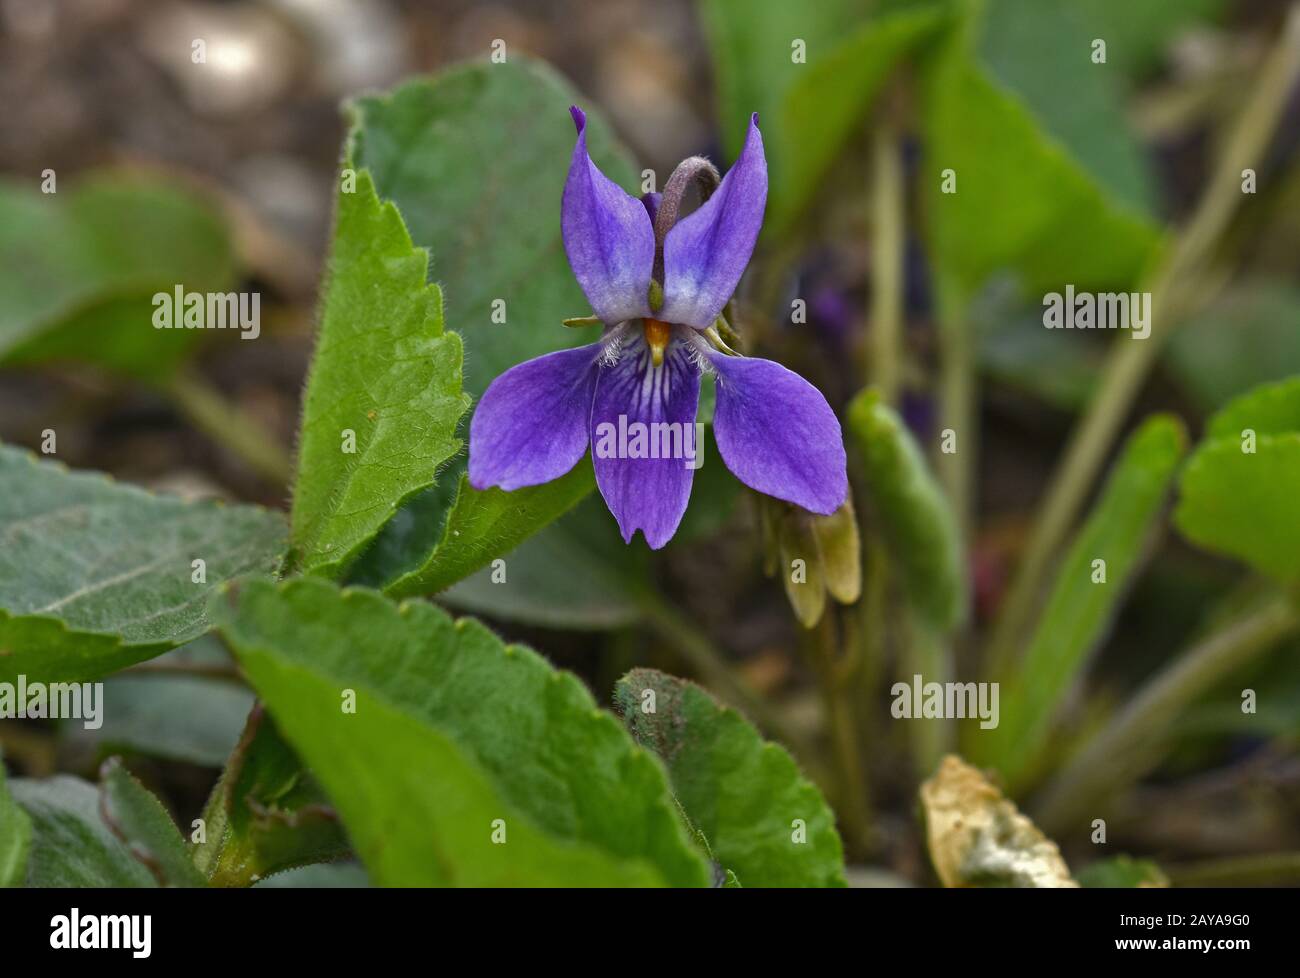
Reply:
x=651, y=204
x=608, y=237
x=531, y=425
x=645, y=493
x=706, y=252
x=777, y=434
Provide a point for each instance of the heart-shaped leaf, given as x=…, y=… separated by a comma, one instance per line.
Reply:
x=399, y=711
x=79, y=269
x=96, y=575
x=763, y=820
x=383, y=396
x=1237, y=495
x=812, y=72
x=1011, y=133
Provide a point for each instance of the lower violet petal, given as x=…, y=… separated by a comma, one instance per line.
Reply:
x=531, y=425
x=643, y=438
x=777, y=434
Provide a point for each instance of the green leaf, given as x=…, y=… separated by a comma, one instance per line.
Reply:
x=913, y=513
x=809, y=112
x=385, y=372
x=1242, y=504
x=1121, y=872
x=451, y=731
x=1269, y=409
x=475, y=159
x=267, y=814
x=601, y=587
x=15, y=837
x=1080, y=608
x=1060, y=218
x=78, y=270
x=442, y=544
x=319, y=876
x=752, y=44
x=137, y=818
x=743, y=794
x=96, y=575
x=1041, y=53
x=1238, y=491
x=192, y=719
x=1245, y=338
x=1137, y=34
x=71, y=844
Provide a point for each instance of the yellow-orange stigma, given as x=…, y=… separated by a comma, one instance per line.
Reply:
x=657, y=335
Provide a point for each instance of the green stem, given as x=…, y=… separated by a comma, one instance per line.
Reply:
x=872, y=629
x=1134, y=741
x=928, y=655
x=958, y=402
x=1271, y=869
x=887, y=264
x=854, y=803
x=1174, y=287
x=229, y=426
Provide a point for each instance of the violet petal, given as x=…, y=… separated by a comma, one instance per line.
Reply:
x=647, y=494
x=706, y=252
x=531, y=425
x=608, y=237
x=777, y=434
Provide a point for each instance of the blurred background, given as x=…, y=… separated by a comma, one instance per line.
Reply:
x=92, y=86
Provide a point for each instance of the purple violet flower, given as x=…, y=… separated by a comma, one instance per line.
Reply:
x=659, y=285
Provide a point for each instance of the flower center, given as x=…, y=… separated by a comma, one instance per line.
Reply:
x=657, y=335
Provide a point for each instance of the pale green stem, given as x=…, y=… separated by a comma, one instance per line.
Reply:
x=887, y=265
x=928, y=655
x=854, y=802
x=1134, y=741
x=958, y=403
x=230, y=427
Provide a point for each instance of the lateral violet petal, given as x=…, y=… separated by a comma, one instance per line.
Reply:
x=632, y=395
x=608, y=237
x=651, y=204
x=777, y=434
x=531, y=425
x=706, y=252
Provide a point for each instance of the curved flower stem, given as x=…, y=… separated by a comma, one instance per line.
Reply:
x=230, y=427
x=1133, y=741
x=1174, y=292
